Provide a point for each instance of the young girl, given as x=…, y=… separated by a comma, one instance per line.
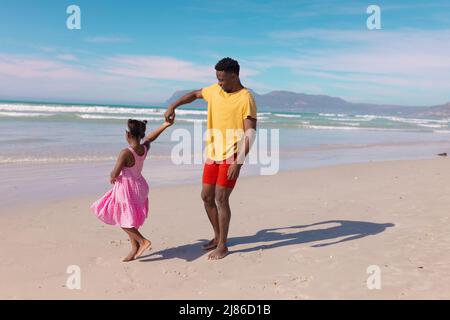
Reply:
x=126, y=204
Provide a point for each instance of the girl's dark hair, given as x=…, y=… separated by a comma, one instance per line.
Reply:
x=137, y=128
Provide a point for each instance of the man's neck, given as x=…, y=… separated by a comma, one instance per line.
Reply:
x=237, y=87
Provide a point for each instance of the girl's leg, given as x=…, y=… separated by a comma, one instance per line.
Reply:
x=143, y=243
x=134, y=247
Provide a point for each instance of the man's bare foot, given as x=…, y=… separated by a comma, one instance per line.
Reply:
x=130, y=256
x=144, y=245
x=210, y=245
x=220, y=253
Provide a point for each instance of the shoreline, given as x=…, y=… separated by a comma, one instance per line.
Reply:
x=64, y=180
x=42, y=182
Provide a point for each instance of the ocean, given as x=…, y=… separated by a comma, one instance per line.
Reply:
x=50, y=152
x=43, y=133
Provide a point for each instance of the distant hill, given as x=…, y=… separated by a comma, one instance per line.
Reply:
x=436, y=111
x=285, y=101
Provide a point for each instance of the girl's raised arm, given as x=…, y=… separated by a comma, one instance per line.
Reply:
x=155, y=134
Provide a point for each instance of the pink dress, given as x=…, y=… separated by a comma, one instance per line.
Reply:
x=126, y=204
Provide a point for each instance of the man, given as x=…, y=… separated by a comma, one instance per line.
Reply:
x=231, y=107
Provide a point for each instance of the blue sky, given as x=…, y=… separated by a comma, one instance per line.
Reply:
x=142, y=51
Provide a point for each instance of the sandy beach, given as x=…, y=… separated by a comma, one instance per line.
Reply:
x=309, y=234
x=341, y=110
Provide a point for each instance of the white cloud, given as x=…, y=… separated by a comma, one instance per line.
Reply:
x=31, y=67
x=348, y=63
x=407, y=60
x=112, y=39
x=323, y=8
x=159, y=67
x=67, y=57
x=127, y=78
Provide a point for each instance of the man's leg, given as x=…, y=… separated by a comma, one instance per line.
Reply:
x=208, y=197
x=222, y=196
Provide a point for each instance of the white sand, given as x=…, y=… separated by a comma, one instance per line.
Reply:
x=290, y=261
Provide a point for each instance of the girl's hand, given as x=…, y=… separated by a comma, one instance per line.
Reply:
x=112, y=180
x=155, y=134
x=168, y=123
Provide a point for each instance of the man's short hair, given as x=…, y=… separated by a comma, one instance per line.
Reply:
x=228, y=65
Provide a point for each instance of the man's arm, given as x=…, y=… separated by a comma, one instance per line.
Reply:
x=186, y=99
x=249, y=137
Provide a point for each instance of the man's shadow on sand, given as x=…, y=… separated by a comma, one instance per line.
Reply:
x=350, y=230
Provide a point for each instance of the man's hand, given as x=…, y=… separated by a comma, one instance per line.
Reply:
x=169, y=115
x=186, y=99
x=233, y=171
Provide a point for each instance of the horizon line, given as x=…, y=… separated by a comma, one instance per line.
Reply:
x=162, y=103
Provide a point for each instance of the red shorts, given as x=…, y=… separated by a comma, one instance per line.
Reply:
x=216, y=173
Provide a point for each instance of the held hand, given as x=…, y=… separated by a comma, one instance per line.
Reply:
x=168, y=123
x=169, y=115
x=233, y=171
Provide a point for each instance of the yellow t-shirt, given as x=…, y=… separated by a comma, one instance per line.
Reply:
x=226, y=115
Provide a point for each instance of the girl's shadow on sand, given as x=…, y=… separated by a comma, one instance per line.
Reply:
x=350, y=230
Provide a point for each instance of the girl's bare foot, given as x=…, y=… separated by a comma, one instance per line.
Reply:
x=210, y=245
x=144, y=245
x=220, y=253
x=130, y=256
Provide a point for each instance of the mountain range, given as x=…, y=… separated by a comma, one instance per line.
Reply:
x=292, y=102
